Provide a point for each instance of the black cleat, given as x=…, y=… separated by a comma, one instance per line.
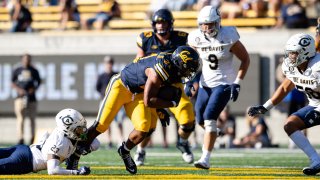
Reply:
x=311, y=171
x=127, y=159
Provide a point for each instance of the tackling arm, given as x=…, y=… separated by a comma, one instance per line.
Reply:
x=54, y=168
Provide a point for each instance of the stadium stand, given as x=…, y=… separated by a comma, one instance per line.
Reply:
x=134, y=16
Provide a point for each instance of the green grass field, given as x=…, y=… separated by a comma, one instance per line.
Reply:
x=168, y=164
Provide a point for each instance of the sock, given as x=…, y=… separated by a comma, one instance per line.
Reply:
x=303, y=143
x=125, y=147
x=205, y=155
x=140, y=149
x=181, y=140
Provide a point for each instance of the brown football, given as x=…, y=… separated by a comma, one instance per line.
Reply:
x=169, y=93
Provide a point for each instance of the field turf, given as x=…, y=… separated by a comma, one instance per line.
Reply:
x=167, y=164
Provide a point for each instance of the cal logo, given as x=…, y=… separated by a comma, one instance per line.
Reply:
x=154, y=47
x=184, y=56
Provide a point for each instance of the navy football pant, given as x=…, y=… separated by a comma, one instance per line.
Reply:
x=210, y=102
x=16, y=160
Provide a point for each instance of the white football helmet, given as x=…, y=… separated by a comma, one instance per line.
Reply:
x=72, y=124
x=304, y=45
x=210, y=14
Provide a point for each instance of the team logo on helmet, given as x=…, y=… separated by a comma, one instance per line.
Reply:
x=67, y=120
x=304, y=42
x=184, y=56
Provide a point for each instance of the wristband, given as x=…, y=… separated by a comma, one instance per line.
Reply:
x=237, y=81
x=174, y=103
x=268, y=105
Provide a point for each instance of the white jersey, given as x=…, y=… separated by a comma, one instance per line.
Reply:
x=217, y=60
x=309, y=81
x=56, y=143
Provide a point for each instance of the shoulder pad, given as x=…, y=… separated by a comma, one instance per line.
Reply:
x=181, y=33
x=147, y=34
x=230, y=34
x=193, y=37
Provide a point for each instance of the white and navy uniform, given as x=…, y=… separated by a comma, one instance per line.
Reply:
x=22, y=159
x=217, y=71
x=307, y=82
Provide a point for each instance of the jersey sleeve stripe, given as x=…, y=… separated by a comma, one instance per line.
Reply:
x=163, y=69
x=160, y=72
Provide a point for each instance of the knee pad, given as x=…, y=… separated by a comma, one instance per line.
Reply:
x=210, y=125
x=187, y=129
x=150, y=132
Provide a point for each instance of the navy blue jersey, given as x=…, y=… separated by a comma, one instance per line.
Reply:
x=150, y=44
x=134, y=77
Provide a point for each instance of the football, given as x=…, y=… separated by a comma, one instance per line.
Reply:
x=169, y=93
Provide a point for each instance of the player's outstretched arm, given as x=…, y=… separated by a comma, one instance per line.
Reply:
x=281, y=92
x=54, y=168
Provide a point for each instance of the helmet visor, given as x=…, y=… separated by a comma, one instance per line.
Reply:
x=292, y=58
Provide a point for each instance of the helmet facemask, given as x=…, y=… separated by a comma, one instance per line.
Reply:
x=210, y=29
x=161, y=27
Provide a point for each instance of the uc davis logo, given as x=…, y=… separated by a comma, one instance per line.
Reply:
x=184, y=56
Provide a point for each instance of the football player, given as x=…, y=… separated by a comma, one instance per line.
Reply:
x=164, y=39
x=219, y=82
x=51, y=151
x=136, y=88
x=301, y=67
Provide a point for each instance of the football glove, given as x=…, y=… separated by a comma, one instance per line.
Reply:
x=84, y=170
x=234, y=91
x=188, y=89
x=177, y=96
x=313, y=114
x=164, y=117
x=256, y=110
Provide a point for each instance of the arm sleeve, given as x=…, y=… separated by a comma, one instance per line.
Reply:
x=161, y=71
x=95, y=144
x=55, y=169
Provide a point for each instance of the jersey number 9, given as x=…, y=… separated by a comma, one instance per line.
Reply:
x=213, y=61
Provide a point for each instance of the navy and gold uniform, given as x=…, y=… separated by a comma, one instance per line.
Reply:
x=150, y=44
x=126, y=89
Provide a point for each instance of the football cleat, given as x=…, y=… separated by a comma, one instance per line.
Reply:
x=187, y=155
x=127, y=159
x=202, y=164
x=140, y=157
x=312, y=170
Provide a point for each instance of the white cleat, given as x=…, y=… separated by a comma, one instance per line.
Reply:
x=202, y=164
x=139, y=158
x=188, y=158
